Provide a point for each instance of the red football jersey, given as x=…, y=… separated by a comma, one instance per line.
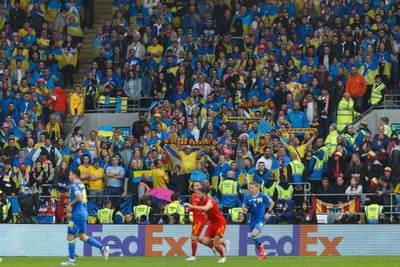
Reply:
x=198, y=215
x=214, y=214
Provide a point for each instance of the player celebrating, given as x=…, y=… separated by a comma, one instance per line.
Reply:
x=77, y=224
x=256, y=203
x=199, y=220
x=216, y=223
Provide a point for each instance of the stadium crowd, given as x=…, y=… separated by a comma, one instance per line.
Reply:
x=242, y=91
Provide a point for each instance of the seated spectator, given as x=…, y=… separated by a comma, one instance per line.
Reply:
x=340, y=189
x=306, y=215
x=61, y=214
x=325, y=189
x=355, y=188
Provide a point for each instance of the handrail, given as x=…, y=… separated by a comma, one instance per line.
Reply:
x=132, y=105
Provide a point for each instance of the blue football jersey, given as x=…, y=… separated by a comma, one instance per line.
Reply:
x=257, y=205
x=79, y=210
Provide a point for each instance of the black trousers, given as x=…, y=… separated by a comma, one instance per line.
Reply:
x=89, y=13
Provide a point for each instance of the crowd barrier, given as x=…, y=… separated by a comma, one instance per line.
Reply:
x=174, y=240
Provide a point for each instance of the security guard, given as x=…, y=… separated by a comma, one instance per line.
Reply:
x=5, y=209
x=268, y=187
x=230, y=192
x=105, y=215
x=176, y=207
x=314, y=171
x=143, y=212
x=373, y=211
x=346, y=113
x=295, y=169
x=234, y=214
x=284, y=190
x=377, y=91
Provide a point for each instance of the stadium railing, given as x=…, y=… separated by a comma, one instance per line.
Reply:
x=120, y=105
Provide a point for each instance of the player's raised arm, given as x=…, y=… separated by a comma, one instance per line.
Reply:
x=207, y=207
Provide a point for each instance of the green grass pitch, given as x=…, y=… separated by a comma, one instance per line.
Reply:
x=365, y=261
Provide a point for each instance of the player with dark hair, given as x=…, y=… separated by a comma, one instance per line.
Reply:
x=77, y=224
x=199, y=220
x=256, y=203
x=216, y=223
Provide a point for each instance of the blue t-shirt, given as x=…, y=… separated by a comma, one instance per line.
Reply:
x=79, y=210
x=257, y=206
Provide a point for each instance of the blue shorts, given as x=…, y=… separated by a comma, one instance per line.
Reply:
x=76, y=227
x=258, y=225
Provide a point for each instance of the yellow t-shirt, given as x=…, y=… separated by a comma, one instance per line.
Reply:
x=85, y=171
x=156, y=49
x=188, y=161
x=301, y=150
x=159, y=178
x=97, y=173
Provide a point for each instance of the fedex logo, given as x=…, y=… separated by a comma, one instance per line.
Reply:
x=146, y=242
x=300, y=242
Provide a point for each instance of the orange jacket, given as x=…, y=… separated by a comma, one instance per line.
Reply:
x=356, y=85
x=58, y=99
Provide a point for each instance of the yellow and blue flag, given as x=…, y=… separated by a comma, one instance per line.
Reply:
x=105, y=131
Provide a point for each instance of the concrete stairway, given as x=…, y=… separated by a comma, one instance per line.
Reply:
x=102, y=11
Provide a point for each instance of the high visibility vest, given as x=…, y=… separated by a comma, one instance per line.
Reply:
x=234, y=214
x=345, y=113
x=297, y=171
x=105, y=216
x=325, y=159
x=5, y=209
x=141, y=210
x=316, y=174
x=285, y=194
x=388, y=130
x=146, y=186
x=175, y=207
x=228, y=188
x=349, y=143
x=119, y=213
x=372, y=213
x=269, y=191
x=376, y=94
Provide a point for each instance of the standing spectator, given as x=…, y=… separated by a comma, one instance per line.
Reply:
x=356, y=87
x=70, y=59
x=7, y=180
x=52, y=153
x=76, y=139
x=96, y=183
x=160, y=177
x=58, y=101
x=394, y=159
x=76, y=104
x=115, y=175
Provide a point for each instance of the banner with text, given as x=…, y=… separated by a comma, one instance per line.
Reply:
x=174, y=240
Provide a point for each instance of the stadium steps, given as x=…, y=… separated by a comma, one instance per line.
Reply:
x=102, y=11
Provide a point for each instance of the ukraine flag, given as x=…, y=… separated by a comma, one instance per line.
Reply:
x=105, y=131
x=138, y=176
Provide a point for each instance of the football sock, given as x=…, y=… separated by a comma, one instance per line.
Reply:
x=93, y=242
x=220, y=251
x=194, y=247
x=257, y=240
x=71, y=249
